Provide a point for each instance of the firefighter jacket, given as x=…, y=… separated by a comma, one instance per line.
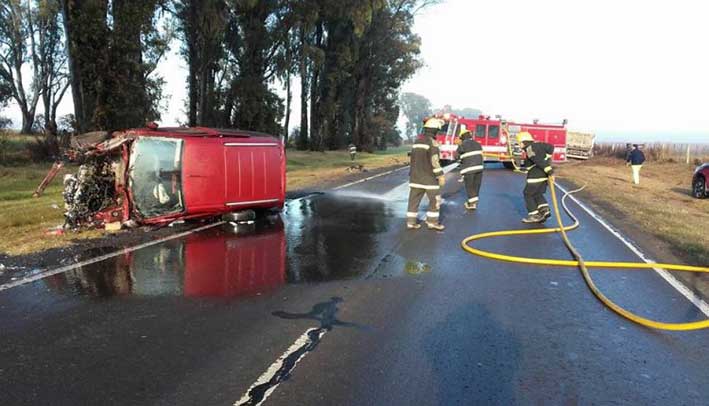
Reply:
x=538, y=161
x=470, y=153
x=425, y=167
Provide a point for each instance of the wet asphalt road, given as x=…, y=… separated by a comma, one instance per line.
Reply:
x=399, y=317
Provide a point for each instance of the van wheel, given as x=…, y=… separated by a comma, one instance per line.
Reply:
x=699, y=188
x=242, y=215
x=508, y=165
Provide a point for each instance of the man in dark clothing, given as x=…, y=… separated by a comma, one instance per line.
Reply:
x=635, y=160
x=470, y=153
x=538, y=166
x=426, y=178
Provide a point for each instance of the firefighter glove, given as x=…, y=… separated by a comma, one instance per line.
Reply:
x=441, y=181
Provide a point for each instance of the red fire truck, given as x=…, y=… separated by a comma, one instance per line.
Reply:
x=499, y=137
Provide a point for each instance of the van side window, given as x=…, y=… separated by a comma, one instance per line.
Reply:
x=493, y=131
x=480, y=131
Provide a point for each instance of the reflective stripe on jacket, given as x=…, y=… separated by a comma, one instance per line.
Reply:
x=470, y=153
x=538, y=161
x=425, y=166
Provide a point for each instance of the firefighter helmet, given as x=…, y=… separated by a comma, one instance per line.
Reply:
x=524, y=136
x=462, y=130
x=436, y=123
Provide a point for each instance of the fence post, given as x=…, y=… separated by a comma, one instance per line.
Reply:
x=689, y=147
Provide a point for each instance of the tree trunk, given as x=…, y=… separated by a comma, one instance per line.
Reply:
x=86, y=38
x=289, y=97
x=315, y=114
x=27, y=121
x=303, y=135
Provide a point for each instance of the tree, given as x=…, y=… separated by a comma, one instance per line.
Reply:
x=415, y=108
x=467, y=112
x=51, y=55
x=113, y=50
x=257, y=33
x=17, y=47
x=201, y=27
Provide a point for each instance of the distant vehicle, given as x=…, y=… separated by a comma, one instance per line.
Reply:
x=153, y=176
x=579, y=145
x=700, y=181
x=498, y=137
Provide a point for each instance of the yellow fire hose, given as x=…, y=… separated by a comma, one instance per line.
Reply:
x=584, y=265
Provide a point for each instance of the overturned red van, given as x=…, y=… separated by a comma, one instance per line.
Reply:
x=154, y=175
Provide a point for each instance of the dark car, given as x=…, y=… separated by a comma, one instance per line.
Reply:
x=700, y=181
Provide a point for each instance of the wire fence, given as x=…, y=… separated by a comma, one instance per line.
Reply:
x=692, y=154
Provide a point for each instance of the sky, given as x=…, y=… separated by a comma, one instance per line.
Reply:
x=625, y=70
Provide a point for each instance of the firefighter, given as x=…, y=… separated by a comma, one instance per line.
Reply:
x=538, y=167
x=470, y=153
x=426, y=178
x=353, y=151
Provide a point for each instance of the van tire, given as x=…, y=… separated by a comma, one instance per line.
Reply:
x=699, y=187
x=508, y=165
x=241, y=215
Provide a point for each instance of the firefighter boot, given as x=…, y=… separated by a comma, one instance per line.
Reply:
x=545, y=213
x=412, y=224
x=470, y=206
x=435, y=225
x=533, y=218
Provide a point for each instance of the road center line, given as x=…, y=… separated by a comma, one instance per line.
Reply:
x=668, y=277
x=280, y=370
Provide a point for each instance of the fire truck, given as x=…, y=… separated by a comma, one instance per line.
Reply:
x=498, y=137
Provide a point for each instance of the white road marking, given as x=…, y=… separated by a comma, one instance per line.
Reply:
x=369, y=178
x=668, y=277
x=272, y=370
x=49, y=272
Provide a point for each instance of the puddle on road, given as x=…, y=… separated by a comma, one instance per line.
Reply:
x=325, y=238
x=416, y=268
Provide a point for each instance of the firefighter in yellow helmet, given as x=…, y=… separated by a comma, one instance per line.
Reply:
x=537, y=164
x=426, y=177
x=470, y=154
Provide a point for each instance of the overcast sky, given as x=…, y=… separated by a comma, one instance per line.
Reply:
x=611, y=67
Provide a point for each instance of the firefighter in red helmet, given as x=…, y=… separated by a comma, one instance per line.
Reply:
x=426, y=177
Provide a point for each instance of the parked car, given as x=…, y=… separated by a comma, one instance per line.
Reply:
x=153, y=176
x=700, y=181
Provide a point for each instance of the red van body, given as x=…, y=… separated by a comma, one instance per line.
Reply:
x=162, y=175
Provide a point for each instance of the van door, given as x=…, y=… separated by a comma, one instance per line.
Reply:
x=253, y=172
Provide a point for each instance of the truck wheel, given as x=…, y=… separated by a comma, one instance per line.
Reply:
x=508, y=165
x=242, y=215
x=699, y=188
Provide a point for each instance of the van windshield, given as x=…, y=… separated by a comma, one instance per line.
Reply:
x=155, y=176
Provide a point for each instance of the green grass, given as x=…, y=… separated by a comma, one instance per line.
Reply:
x=13, y=148
x=24, y=219
x=308, y=169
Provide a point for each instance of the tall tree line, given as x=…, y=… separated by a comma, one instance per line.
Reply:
x=350, y=58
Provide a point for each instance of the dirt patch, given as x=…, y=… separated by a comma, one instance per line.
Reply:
x=659, y=215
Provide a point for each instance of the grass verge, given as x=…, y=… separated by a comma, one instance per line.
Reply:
x=660, y=207
x=25, y=220
x=308, y=169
